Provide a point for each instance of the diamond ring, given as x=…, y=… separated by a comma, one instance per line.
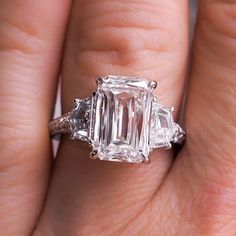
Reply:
x=122, y=121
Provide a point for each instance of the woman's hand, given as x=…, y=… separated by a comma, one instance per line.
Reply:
x=193, y=194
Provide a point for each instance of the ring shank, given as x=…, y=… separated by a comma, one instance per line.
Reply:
x=60, y=125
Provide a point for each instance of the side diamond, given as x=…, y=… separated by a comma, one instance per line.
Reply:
x=80, y=119
x=162, y=128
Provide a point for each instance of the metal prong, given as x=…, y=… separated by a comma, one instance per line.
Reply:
x=93, y=154
x=99, y=80
x=147, y=161
x=152, y=84
x=155, y=99
x=72, y=137
x=168, y=146
x=171, y=109
x=89, y=143
x=76, y=101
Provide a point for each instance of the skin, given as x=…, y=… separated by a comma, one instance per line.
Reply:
x=193, y=193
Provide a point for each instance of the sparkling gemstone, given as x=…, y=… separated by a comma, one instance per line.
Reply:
x=80, y=119
x=121, y=116
x=162, y=126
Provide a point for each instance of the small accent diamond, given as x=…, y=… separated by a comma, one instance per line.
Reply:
x=162, y=126
x=80, y=119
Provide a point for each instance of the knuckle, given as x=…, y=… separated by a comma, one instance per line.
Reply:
x=14, y=144
x=129, y=36
x=21, y=33
x=18, y=39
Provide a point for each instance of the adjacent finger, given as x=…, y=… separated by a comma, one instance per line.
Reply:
x=31, y=37
x=207, y=164
x=136, y=38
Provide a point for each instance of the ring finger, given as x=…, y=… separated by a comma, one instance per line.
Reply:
x=144, y=38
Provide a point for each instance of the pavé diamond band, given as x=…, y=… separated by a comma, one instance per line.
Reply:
x=122, y=120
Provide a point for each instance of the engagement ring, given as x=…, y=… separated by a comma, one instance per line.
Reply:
x=122, y=121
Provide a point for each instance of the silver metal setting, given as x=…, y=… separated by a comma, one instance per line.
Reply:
x=122, y=121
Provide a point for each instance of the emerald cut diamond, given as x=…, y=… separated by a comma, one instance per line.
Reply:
x=122, y=109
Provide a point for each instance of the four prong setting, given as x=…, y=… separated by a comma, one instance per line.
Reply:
x=99, y=81
x=152, y=84
x=121, y=108
x=93, y=154
x=123, y=121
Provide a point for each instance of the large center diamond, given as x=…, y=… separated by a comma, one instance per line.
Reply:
x=120, y=125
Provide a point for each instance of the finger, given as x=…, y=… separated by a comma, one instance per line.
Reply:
x=207, y=164
x=145, y=38
x=31, y=36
